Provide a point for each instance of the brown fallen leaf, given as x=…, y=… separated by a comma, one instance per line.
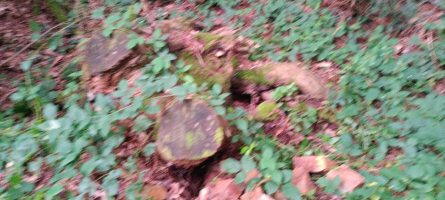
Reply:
x=253, y=174
x=349, y=179
x=223, y=189
x=314, y=164
x=155, y=192
x=256, y=194
x=302, y=180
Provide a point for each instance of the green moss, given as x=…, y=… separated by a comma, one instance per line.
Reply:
x=219, y=135
x=266, y=111
x=235, y=62
x=166, y=153
x=189, y=140
x=208, y=74
x=208, y=39
x=256, y=77
x=205, y=154
x=57, y=9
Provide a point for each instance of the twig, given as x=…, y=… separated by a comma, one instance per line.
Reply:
x=45, y=33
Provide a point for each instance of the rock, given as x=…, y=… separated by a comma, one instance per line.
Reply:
x=256, y=194
x=279, y=74
x=302, y=180
x=349, y=179
x=189, y=132
x=222, y=189
x=103, y=54
x=266, y=111
x=155, y=192
x=314, y=164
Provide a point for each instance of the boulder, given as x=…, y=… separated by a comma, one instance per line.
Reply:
x=189, y=132
x=102, y=54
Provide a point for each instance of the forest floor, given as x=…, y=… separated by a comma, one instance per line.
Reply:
x=367, y=94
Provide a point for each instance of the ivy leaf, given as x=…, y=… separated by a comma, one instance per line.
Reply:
x=270, y=187
x=291, y=192
x=217, y=89
x=240, y=177
x=149, y=149
x=98, y=13
x=25, y=65
x=242, y=124
x=247, y=163
x=231, y=166
x=53, y=191
x=220, y=110
x=141, y=123
x=35, y=27
x=372, y=94
x=50, y=111
x=113, y=18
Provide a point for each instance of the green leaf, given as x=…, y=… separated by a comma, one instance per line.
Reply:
x=149, y=149
x=141, y=123
x=50, y=111
x=242, y=124
x=113, y=18
x=131, y=44
x=220, y=110
x=35, y=27
x=53, y=191
x=98, y=13
x=287, y=175
x=231, y=166
x=291, y=192
x=25, y=65
x=270, y=187
x=217, y=89
x=247, y=163
x=157, y=33
x=240, y=177
x=277, y=176
x=372, y=94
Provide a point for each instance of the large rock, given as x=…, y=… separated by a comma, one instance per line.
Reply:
x=302, y=180
x=279, y=74
x=189, y=132
x=102, y=54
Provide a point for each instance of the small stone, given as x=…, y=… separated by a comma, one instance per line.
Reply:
x=256, y=194
x=103, y=53
x=349, y=179
x=314, y=164
x=222, y=189
x=302, y=180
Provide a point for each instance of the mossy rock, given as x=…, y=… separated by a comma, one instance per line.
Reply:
x=189, y=132
x=305, y=80
x=102, y=54
x=208, y=39
x=279, y=74
x=216, y=70
x=266, y=111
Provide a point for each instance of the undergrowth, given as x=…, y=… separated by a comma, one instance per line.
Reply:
x=385, y=102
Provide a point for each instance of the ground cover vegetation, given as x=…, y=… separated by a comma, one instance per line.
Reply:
x=382, y=60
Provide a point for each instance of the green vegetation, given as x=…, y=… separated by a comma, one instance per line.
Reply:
x=385, y=102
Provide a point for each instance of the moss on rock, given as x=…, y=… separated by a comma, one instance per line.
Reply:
x=188, y=133
x=266, y=111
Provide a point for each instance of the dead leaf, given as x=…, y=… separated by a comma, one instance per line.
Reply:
x=302, y=180
x=256, y=194
x=349, y=179
x=221, y=190
x=253, y=174
x=155, y=192
x=314, y=164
